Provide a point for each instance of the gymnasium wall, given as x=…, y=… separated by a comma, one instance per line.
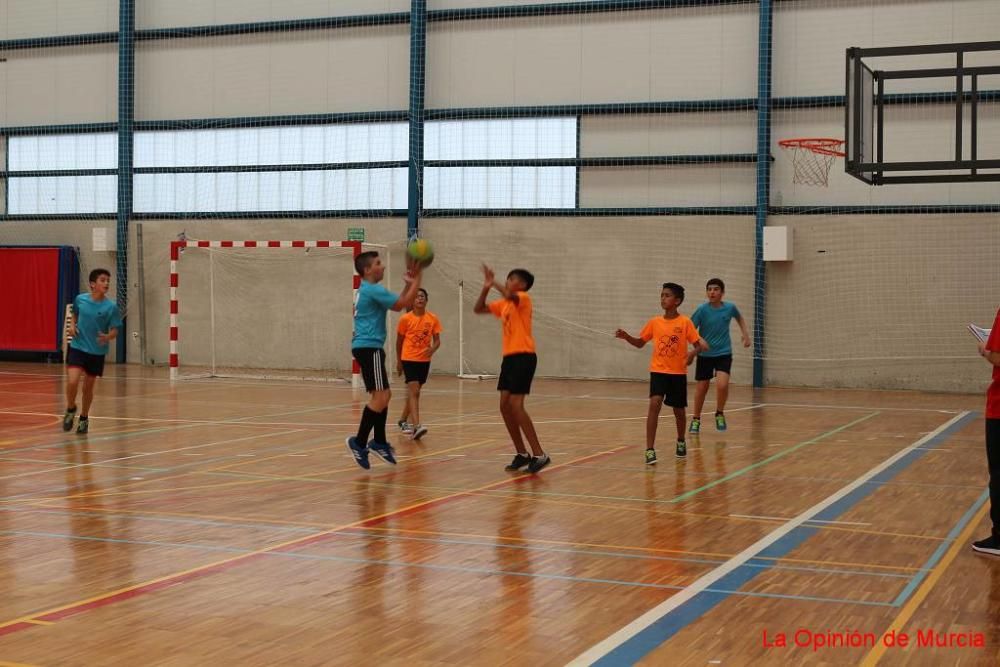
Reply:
x=891, y=279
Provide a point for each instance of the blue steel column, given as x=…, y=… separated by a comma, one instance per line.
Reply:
x=126, y=118
x=763, y=184
x=418, y=63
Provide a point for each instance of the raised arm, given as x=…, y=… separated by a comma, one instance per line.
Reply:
x=412, y=280
x=488, y=284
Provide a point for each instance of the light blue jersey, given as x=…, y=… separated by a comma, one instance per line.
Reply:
x=713, y=325
x=374, y=301
x=92, y=318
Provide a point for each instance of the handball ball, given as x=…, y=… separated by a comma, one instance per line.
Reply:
x=420, y=251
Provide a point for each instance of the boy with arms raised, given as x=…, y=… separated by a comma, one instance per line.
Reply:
x=374, y=301
x=517, y=369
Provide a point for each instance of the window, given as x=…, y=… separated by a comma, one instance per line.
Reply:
x=500, y=187
x=272, y=190
x=62, y=194
x=237, y=178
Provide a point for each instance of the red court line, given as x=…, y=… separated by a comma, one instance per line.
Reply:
x=17, y=627
x=169, y=581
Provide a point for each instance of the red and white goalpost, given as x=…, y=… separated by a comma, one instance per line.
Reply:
x=176, y=248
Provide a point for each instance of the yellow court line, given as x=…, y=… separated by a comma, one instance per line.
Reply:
x=925, y=588
x=269, y=478
x=655, y=510
x=4, y=663
x=242, y=482
x=147, y=454
x=643, y=549
x=191, y=515
x=281, y=545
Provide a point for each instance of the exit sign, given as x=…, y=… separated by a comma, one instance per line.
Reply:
x=356, y=234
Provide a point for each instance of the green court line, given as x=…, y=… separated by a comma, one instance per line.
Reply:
x=769, y=459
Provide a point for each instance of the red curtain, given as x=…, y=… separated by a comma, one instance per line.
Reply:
x=29, y=278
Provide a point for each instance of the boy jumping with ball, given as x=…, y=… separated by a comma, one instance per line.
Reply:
x=374, y=301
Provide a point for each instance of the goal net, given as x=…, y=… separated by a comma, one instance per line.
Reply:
x=273, y=310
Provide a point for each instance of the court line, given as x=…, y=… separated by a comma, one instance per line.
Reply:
x=80, y=606
x=145, y=454
x=928, y=585
x=244, y=482
x=788, y=518
x=774, y=457
x=722, y=556
x=940, y=551
x=465, y=391
x=643, y=635
x=822, y=525
x=264, y=523
x=236, y=421
x=242, y=523
x=428, y=566
x=618, y=554
x=67, y=466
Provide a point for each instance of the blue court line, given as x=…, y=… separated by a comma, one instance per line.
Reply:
x=645, y=641
x=940, y=551
x=432, y=566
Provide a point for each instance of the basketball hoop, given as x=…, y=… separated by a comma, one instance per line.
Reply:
x=812, y=158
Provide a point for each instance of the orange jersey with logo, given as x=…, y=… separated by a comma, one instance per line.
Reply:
x=669, y=339
x=418, y=333
x=516, y=319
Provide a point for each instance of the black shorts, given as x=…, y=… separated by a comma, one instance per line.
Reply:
x=707, y=367
x=416, y=371
x=673, y=388
x=516, y=373
x=91, y=364
x=372, y=362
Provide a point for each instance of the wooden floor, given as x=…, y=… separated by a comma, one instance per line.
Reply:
x=223, y=523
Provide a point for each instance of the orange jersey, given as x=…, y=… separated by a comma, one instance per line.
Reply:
x=417, y=332
x=516, y=318
x=670, y=340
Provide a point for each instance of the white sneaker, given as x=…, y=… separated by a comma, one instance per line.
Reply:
x=419, y=431
x=405, y=427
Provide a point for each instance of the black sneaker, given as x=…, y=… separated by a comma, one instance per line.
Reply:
x=68, y=419
x=359, y=453
x=991, y=546
x=383, y=451
x=83, y=426
x=538, y=462
x=520, y=460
